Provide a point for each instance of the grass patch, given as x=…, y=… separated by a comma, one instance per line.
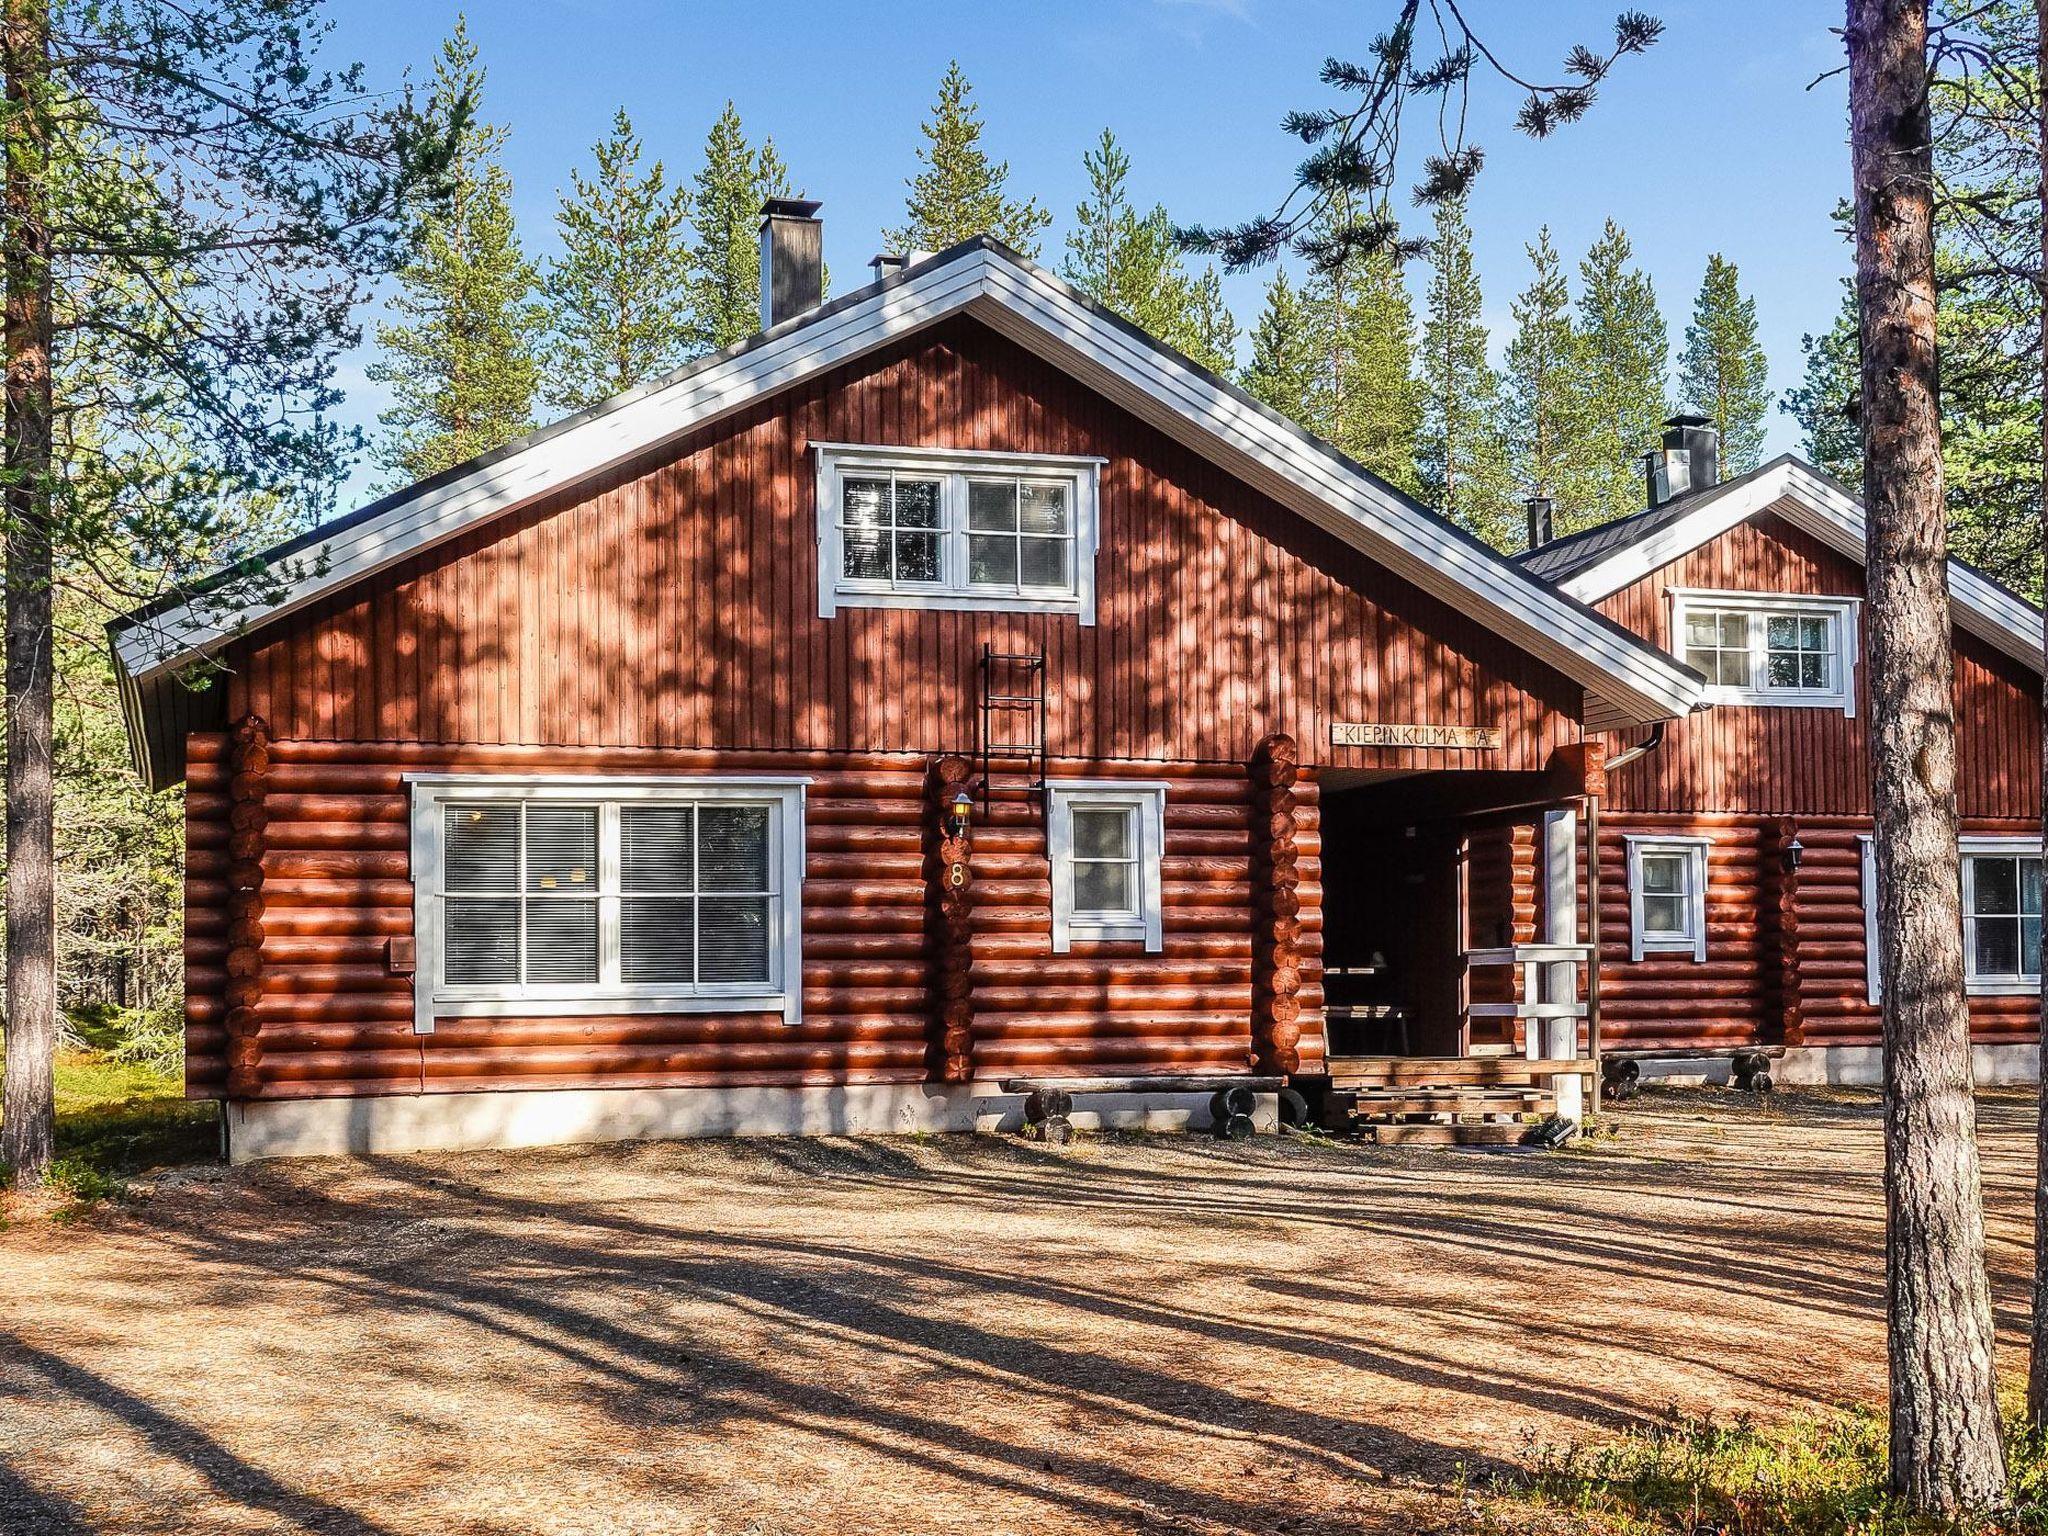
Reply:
x=117, y=1117
x=1814, y=1477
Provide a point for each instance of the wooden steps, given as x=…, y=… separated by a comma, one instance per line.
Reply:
x=1443, y=1100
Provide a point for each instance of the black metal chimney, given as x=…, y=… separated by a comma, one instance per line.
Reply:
x=1539, y=521
x=1688, y=459
x=792, y=259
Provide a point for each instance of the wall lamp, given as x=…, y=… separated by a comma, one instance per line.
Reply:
x=1793, y=856
x=959, y=812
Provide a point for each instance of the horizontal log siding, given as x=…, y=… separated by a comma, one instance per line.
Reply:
x=1732, y=997
x=673, y=603
x=335, y=1021
x=206, y=918
x=1814, y=761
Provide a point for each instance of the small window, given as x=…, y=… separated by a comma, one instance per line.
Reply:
x=2002, y=917
x=1106, y=840
x=945, y=528
x=617, y=896
x=1667, y=885
x=1757, y=648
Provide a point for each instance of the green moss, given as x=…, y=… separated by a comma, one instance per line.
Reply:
x=117, y=1117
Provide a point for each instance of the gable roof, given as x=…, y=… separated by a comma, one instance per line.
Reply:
x=1600, y=561
x=1626, y=679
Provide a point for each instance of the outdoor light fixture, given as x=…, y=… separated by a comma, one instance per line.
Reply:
x=1793, y=856
x=959, y=812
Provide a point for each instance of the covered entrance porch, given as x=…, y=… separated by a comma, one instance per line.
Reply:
x=1461, y=1002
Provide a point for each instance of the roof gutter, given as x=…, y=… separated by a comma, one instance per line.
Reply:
x=1641, y=749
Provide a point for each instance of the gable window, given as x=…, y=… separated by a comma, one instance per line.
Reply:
x=605, y=895
x=1763, y=648
x=1106, y=839
x=2002, y=914
x=950, y=528
x=1667, y=896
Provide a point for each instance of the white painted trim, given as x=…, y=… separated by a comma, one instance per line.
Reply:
x=954, y=467
x=1842, y=613
x=432, y=997
x=1694, y=850
x=1046, y=316
x=1969, y=849
x=1873, y=956
x=1811, y=502
x=1146, y=801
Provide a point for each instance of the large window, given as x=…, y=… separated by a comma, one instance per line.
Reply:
x=605, y=895
x=1667, y=896
x=942, y=528
x=1759, y=648
x=1106, y=839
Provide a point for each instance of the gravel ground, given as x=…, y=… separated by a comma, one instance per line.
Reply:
x=897, y=1336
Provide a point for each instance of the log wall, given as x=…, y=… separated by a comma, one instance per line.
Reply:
x=1785, y=958
x=878, y=959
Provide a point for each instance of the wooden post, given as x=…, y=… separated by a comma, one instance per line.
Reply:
x=949, y=909
x=1778, y=922
x=1276, y=908
x=248, y=772
x=1593, y=941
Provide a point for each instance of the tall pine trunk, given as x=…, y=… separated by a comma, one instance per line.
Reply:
x=1945, y=1449
x=2037, y=1355
x=28, y=1104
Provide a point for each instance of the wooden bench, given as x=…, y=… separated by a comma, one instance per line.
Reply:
x=1049, y=1101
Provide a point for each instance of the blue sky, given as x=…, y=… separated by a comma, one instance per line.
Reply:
x=1717, y=140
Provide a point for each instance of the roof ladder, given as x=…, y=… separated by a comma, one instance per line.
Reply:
x=1012, y=720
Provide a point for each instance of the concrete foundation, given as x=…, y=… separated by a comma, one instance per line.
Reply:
x=1842, y=1066
x=462, y=1122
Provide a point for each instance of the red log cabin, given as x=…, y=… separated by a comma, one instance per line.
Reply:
x=948, y=707
x=1735, y=854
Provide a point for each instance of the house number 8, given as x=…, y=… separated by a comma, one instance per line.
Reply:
x=958, y=876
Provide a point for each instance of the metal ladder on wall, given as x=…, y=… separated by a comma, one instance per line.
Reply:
x=1012, y=720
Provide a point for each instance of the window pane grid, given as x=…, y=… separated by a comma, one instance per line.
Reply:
x=966, y=533
x=2005, y=916
x=1764, y=650
x=551, y=896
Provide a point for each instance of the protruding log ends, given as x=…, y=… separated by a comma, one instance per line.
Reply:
x=248, y=821
x=1580, y=768
x=1276, y=908
x=949, y=908
x=1779, y=853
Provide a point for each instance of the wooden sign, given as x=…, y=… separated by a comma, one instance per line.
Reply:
x=1380, y=733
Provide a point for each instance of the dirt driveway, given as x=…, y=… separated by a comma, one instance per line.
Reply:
x=943, y=1335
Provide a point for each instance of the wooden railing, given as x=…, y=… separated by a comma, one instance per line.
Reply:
x=1547, y=1014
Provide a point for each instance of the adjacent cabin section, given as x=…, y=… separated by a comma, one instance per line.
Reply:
x=1735, y=857
x=949, y=693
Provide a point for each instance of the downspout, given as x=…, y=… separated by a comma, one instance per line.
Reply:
x=1636, y=753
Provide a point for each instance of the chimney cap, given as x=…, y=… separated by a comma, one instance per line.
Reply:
x=791, y=208
x=1688, y=419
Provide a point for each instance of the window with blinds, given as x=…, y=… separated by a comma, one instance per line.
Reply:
x=552, y=895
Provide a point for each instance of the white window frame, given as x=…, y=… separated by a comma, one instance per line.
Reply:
x=783, y=992
x=1146, y=802
x=953, y=468
x=2027, y=983
x=2007, y=846
x=1693, y=943
x=1843, y=613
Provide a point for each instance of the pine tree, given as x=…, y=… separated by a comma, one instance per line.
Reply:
x=1286, y=367
x=618, y=295
x=1459, y=451
x=460, y=358
x=1548, y=452
x=1372, y=401
x=959, y=193
x=1131, y=263
x=1625, y=360
x=1825, y=399
x=1723, y=373
x=725, y=262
